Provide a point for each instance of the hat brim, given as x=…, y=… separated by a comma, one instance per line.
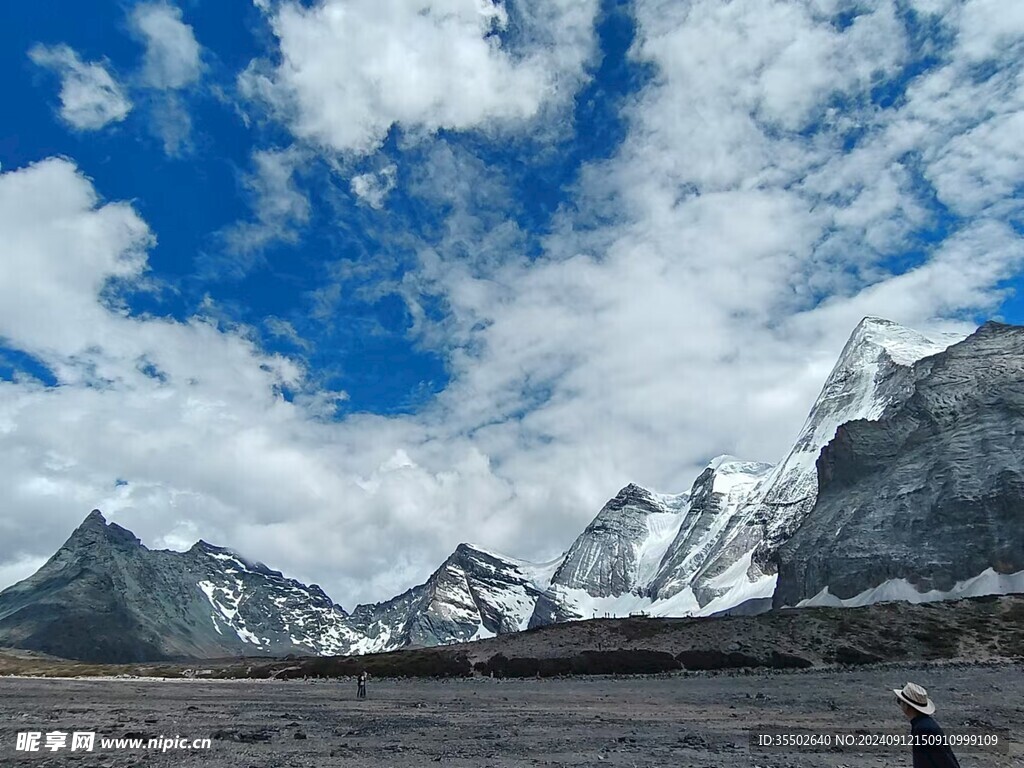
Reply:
x=925, y=709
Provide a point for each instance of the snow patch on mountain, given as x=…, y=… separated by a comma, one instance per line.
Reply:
x=708, y=530
x=662, y=528
x=225, y=602
x=988, y=582
x=737, y=587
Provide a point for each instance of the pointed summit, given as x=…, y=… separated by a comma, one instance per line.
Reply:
x=874, y=373
x=903, y=345
x=94, y=519
x=94, y=524
x=633, y=495
x=95, y=529
x=204, y=546
x=605, y=560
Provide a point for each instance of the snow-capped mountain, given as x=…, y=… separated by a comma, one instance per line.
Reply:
x=263, y=608
x=905, y=482
x=714, y=531
x=474, y=594
x=622, y=547
x=104, y=596
x=643, y=550
x=609, y=565
x=925, y=501
x=872, y=373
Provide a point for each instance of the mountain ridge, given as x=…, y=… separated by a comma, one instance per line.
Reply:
x=743, y=537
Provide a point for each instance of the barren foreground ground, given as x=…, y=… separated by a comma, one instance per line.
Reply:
x=678, y=720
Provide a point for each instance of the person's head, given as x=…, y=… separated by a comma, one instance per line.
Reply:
x=913, y=700
x=908, y=710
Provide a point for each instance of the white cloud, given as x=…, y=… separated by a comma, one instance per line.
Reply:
x=173, y=57
x=90, y=96
x=690, y=300
x=172, y=62
x=350, y=70
x=279, y=205
x=373, y=188
x=172, y=124
x=990, y=29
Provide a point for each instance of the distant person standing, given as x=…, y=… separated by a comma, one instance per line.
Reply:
x=918, y=708
x=361, y=685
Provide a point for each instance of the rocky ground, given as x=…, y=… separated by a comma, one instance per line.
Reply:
x=681, y=719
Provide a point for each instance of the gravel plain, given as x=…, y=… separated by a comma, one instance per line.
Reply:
x=681, y=719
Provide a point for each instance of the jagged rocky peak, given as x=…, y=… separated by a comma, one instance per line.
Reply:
x=607, y=559
x=475, y=593
x=95, y=530
x=927, y=501
x=95, y=517
x=873, y=373
x=710, y=528
x=633, y=495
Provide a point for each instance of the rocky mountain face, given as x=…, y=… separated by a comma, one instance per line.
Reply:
x=474, y=594
x=614, y=555
x=929, y=496
x=905, y=483
x=714, y=536
x=104, y=596
x=873, y=373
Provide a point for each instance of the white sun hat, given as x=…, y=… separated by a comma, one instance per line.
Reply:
x=916, y=696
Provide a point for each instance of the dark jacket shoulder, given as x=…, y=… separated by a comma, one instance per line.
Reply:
x=925, y=724
x=931, y=755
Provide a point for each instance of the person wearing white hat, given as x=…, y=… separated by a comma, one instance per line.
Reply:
x=918, y=708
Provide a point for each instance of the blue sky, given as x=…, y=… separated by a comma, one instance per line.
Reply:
x=191, y=196
x=343, y=283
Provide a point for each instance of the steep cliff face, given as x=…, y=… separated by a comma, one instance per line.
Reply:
x=927, y=496
x=872, y=373
x=618, y=552
x=712, y=531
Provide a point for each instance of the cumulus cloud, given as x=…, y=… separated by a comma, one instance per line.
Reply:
x=689, y=301
x=172, y=58
x=349, y=70
x=90, y=97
